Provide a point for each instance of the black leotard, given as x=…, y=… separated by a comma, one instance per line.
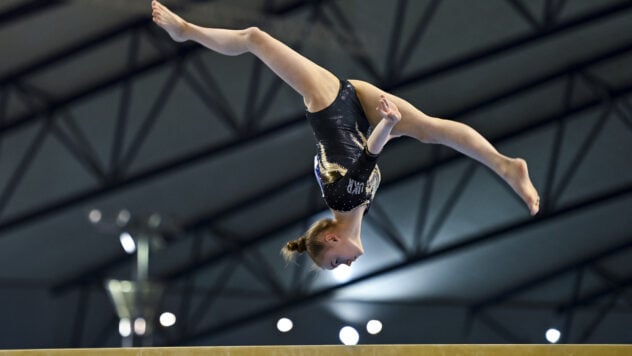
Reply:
x=345, y=170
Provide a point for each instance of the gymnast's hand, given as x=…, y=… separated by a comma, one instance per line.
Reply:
x=382, y=131
x=388, y=110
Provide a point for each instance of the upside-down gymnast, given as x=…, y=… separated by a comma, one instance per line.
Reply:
x=352, y=121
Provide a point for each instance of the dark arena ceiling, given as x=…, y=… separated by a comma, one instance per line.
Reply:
x=101, y=113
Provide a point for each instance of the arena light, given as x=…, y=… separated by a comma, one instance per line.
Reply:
x=553, y=335
x=140, y=326
x=284, y=325
x=123, y=217
x=374, y=327
x=349, y=336
x=127, y=241
x=167, y=319
x=95, y=216
x=125, y=327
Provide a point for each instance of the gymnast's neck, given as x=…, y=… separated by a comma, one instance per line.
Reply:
x=349, y=223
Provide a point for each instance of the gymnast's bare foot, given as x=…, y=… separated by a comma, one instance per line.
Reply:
x=170, y=22
x=516, y=175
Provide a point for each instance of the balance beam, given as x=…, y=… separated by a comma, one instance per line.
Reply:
x=372, y=350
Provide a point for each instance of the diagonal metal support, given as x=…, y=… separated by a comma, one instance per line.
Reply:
x=80, y=153
x=613, y=281
x=622, y=112
x=124, y=106
x=24, y=164
x=415, y=38
x=262, y=270
x=424, y=205
x=4, y=108
x=395, y=39
x=80, y=317
x=386, y=225
x=215, y=101
x=506, y=294
x=348, y=39
x=82, y=150
x=548, y=202
x=524, y=12
x=592, y=297
x=581, y=154
x=598, y=318
x=186, y=300
x=570, y=312
x=205, y=305
x=500, y=329
x=553, y=10
x=449, y=205
x=151, y=118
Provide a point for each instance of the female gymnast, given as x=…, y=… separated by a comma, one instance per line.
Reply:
x=352, y=121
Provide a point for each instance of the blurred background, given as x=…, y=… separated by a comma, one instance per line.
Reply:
x=146, y=186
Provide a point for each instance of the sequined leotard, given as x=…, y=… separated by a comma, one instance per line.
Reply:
x=346, y=172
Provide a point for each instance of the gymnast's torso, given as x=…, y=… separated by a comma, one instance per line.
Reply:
x=347, y=173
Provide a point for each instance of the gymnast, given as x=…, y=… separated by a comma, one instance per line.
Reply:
x=352, y=121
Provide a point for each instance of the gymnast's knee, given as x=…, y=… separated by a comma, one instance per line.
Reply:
x=255, y=36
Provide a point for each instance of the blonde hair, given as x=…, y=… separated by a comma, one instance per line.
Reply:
x=309, y=242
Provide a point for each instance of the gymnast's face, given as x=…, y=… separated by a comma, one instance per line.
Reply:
x=339, y=251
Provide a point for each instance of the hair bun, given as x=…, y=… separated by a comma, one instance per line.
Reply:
x=292, y=245
x=299, y=245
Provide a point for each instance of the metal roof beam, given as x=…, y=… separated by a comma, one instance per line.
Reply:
x=26, y=8
x=72, y=50
x=290, y=7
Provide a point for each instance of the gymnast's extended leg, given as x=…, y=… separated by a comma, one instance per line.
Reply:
x=456, y=135
x=318, y=86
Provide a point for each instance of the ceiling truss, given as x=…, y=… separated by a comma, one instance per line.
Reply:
x=55, y=118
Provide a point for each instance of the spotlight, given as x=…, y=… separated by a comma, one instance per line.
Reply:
x=140, y=326
x=123, y=217
x=553, y=335
x=284, y=325
x=349, y=336
x=167, y=319
x=95, y=216
x=125, y=327
x=127, y=242
x=374, y=327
